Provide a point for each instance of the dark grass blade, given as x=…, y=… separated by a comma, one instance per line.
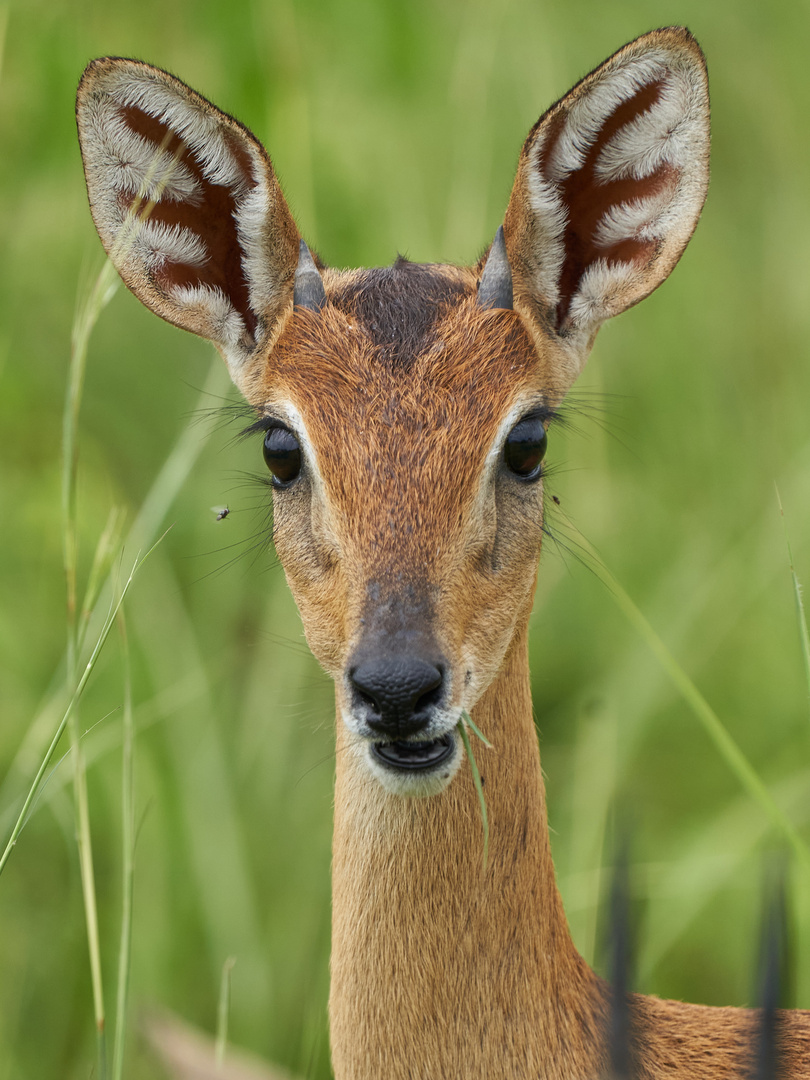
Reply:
x=773, y=970
x=620, y=953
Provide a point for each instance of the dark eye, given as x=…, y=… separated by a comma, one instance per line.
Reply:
x=526, y=447
x=282, y=455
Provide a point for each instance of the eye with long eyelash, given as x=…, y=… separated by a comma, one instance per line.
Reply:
x=525, y=447
x=282, y=455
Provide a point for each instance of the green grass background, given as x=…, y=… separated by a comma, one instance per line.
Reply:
x=396, y=127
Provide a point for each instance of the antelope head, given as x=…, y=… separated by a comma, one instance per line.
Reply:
x=404, y=411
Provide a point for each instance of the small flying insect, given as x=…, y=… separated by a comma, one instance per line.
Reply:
x=221, y=512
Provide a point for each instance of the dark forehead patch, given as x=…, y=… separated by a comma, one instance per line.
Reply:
x=398, y=306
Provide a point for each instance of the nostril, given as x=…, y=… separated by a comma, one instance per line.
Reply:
x=367, y=699
x=362, y=693
x=426, y=701
x=432, y=694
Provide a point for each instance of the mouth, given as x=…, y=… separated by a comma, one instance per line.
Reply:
x=414, y=756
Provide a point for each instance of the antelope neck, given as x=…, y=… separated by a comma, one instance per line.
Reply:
x=440, y=969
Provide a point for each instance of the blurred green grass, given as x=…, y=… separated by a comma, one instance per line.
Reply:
x=396, y=127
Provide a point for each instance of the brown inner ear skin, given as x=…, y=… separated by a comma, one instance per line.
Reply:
x=211, y=218
x=586, y=198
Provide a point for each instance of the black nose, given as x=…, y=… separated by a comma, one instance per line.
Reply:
x=397, y=694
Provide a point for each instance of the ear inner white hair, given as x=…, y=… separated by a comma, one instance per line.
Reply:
x=610, y=186
x=188, y=206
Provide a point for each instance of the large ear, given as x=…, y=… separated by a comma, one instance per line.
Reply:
x=187, y=205
x=610, y=184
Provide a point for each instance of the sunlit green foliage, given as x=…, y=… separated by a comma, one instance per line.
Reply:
x=396, y=127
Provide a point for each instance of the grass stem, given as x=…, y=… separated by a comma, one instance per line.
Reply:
x=804, y=636
x=223, y=1011
x=712, y=725
x=77, y=693
x=463, y=723
x=128, y=860
x=86, y=318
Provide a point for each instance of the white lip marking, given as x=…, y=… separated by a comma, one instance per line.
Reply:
x=412, y=784
x=409, y=784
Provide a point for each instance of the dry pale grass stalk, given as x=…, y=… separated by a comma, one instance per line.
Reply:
x=189, y=1054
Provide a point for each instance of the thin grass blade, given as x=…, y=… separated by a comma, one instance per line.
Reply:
x=801, y=614
x=479, y=787
x=223, y=1011
x=74, y=699
x=468, y=720
x=128, y=858
x=107, y=548
x=86, y=318
x=724, y=743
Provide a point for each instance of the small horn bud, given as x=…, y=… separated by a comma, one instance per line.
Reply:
x=308, y=290
x=495, y=286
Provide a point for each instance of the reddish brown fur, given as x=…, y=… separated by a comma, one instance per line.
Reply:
x=402, y=426
x=405, y=427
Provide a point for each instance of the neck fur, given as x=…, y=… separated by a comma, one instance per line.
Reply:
x=438, y=968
